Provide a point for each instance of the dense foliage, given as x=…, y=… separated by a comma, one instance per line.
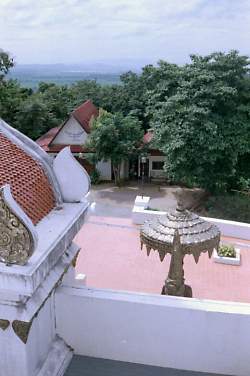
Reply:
x=6, y=62
x=200, y=113
x=233, y=206
x=115, y=137
x=201, y=119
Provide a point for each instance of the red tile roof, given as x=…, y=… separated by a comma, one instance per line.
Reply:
x=148, y=137
x=45, y=140
x=29, y=183
x=84, y=113
x=73, y=148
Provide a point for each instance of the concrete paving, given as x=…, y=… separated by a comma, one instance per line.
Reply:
x=87, y=366
x=111, y=201
x=118, y=202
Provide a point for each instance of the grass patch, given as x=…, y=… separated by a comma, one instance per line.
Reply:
x=153, y=209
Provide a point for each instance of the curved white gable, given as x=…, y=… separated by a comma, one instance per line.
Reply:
x=73, y=179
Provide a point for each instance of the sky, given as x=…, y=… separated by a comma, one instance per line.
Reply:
x=140, y=31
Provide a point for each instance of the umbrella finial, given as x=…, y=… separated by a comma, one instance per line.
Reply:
x=179, y=194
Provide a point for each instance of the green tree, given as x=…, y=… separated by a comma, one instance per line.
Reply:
x=12, y=96
x=137, y=88
x=115, y=137
x=202, y=123
x=33, y=118
x=58, y=100
x=11, y=92
x=84, y=90
x=6, y=62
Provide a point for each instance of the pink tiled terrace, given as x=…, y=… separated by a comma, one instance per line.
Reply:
x=111, y=258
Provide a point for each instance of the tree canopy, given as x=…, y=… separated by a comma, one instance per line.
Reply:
x=200, y=116
x=199, y=113
x=6, y=62
x=115, y=137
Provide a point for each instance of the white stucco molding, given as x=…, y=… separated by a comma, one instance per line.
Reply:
x=73, y=179
x=55, y=234
x=18, y=234
x=36, y=152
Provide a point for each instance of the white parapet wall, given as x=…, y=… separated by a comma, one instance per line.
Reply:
x=140, y=213
x=234, y=229
x=182, y=333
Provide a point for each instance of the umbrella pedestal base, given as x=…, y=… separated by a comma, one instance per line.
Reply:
x=186, y=294
x=179, y=233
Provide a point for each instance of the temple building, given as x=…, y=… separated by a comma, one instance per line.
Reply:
x=74, y=133
x=153, y=168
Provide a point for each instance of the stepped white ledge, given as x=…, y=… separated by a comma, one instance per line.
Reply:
x=18, y=236
x=73, y=179
x=55, y=234
x=23, y=308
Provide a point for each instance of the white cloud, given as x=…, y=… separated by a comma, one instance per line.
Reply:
x=77, y=30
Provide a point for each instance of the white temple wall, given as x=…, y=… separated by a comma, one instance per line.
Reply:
x=182, y=333
x=13, y=354
x=41, y=337
x=71, y=134
x=104, y=167
x=154, y=173
x=28, y=357
x=124, y=170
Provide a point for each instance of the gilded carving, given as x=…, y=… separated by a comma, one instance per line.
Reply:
x=73, y=262
x=4, y=324
x=22, y=328
x=16, y=241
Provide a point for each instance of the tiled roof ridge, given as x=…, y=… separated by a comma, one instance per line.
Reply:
x=84, y=112
x=148, y=136
x=77, y=113
x=50, y=132
x=28, y=183
x=29, y=172
x=35, y=152
x=88, y=101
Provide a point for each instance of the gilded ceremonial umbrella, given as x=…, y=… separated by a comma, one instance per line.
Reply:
x=178, y=233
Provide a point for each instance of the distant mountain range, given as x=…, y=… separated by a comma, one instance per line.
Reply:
x=65, y=74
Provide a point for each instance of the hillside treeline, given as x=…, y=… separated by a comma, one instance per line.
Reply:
x=199, y=112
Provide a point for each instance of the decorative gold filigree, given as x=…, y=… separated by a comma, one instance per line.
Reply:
x=16, y=241
x=73, y=262
x=4, y=324
x=22, y=328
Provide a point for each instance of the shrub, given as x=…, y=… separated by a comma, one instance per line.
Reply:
x=153, y=209
x=227, y=251
x=95, y=176
x=234, y=207
x=245, y=184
